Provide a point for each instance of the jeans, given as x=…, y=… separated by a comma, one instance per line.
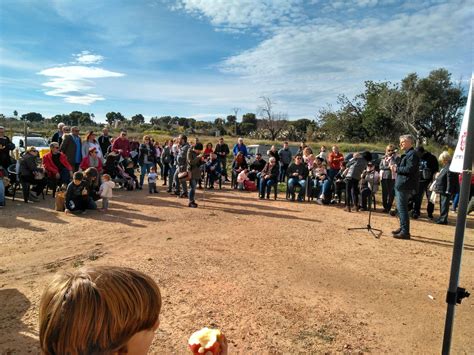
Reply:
x=105, y=203
x=265, y=187
x=179, y=182
x=402, y=206
x=283, y=169
x=455, y=202
x=366, y=197
x=144, y=169
x=332, y=173
x=192, y=189
x=388, y=193
x=166, y=171
x=171, y=172
x=293, y=182
x=323, y=187
x=2, y=193
x=162, y=168
x=443, y=207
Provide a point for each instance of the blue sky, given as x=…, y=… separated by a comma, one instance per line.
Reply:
x=201, y=58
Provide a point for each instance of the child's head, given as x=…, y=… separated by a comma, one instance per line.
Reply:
x=77, y=177
x=130, y=164
x=106, y=177
x=153, y=169
x=99, y=310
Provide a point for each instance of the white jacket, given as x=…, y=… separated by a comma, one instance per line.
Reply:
x=106, y=189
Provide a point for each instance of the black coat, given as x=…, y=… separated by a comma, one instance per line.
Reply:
x=408, y=174
x=447, y=182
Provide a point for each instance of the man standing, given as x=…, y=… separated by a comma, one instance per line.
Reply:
x=5, y=147
x=429, y=166
x=222, y=150
x=240, y=147
x=181, y=166
x=285, y=160
x=57, y=137
x=104, y=141
x=72, y=147
x=122, y=145
x=406, y=184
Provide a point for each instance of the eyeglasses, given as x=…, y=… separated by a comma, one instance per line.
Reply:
x=55, y=147
x=298, y=158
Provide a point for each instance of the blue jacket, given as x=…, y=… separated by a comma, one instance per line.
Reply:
x=408, y=174
x=242, y=148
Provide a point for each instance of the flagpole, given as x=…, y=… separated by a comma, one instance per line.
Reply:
x=456, y=294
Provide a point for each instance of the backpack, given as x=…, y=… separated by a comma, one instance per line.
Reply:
x=425, y=172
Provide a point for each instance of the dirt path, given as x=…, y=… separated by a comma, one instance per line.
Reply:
x=275, y=276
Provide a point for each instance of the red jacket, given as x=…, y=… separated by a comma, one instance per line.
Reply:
x=123, y=145
x=86, y=164
x=51, y=168
x=335, y=160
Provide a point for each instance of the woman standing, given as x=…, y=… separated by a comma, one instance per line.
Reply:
x=388, y=177
x=146, y=158
x=447, y=184
x=158, y=159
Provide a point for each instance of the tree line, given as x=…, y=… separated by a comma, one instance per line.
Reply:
x=429, y=108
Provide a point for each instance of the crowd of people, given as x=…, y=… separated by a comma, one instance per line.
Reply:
x=90, y=167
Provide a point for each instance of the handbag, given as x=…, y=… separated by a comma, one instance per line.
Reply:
x=59, y=201
x=185, y=175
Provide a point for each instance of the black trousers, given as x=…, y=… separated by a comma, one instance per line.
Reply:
x=352, y=192
x=27, y=182
x=388, y=193
x=418, y=198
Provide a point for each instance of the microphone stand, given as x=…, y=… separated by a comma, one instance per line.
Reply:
x=368, y=227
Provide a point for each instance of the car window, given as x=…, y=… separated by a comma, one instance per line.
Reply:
x=37, y=142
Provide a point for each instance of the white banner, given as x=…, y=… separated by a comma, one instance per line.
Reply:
x=458, y=158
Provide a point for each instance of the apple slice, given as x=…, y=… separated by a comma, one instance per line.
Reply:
x=205, y=342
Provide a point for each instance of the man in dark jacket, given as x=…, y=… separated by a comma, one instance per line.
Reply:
x=72, y=147
x=194, y=161
x=104, y=141
x=297, y=173
x=406, y=184
x=256, y=167
x=429, y=166
x=5, y=147
x=285, y=160
x=222, y=150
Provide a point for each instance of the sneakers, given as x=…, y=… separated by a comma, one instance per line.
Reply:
x=192, y=204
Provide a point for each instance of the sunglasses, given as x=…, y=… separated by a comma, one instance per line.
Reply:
x=55, y=147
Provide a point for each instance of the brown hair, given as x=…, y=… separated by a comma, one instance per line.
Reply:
x=96, y=310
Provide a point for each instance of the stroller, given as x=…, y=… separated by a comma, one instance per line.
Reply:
x=116, y=170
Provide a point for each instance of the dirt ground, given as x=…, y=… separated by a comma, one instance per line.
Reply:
x=275, y=276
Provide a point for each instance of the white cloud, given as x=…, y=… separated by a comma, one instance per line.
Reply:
x=85, y=57
x=72, y=82
x=315, y=62
x=239, y=14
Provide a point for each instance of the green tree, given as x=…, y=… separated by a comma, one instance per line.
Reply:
x=138, y=119
x=111, y=117
x=32, y=117
x=249, y=123
x=15, y=114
